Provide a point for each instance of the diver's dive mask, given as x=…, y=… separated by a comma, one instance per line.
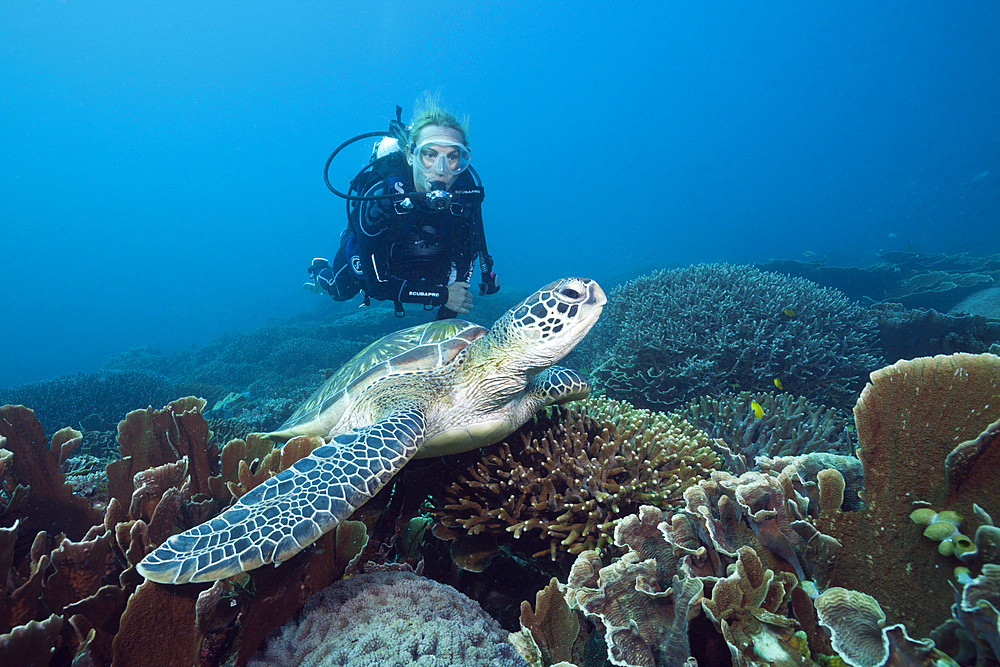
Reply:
x=441, y=157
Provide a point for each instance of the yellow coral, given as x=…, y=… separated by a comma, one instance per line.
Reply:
x=566, y=478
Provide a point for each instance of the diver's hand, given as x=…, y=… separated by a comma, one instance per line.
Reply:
x=322, y=277
x=459, y=298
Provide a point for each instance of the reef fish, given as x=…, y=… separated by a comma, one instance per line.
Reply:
x=758, y=411
x=978, y=177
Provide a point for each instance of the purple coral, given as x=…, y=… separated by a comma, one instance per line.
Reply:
x=389, y=618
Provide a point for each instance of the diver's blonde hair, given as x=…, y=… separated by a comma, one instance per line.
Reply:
x=427, y=111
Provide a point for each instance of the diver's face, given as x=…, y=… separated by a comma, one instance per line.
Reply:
x=434, y=162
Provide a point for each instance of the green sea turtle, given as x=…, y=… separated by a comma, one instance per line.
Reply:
x=439, y=388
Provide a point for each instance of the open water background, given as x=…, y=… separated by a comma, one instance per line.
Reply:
x=161, y=162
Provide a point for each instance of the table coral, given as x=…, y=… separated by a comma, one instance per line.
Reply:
x=670, y=336
x=389, y=618
x=564, y=480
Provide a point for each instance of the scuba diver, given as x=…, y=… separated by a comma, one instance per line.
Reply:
x=414, y=222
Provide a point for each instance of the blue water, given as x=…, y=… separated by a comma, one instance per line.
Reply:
x=162, y=163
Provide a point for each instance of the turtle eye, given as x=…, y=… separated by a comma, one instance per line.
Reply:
x=570, y=293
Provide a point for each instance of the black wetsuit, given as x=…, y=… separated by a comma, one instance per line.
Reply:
x=408, y=255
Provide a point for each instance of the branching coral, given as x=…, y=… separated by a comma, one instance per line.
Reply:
x=671, y=336
x=564, y=480
x=91, y=401
x=788, y=426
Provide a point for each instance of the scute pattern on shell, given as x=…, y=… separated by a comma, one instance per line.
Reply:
x=425, y=347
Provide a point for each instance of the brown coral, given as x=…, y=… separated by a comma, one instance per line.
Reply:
x=90, y=581
x=910, y=418
x=858, y=634
x=44, y=498
x=564, y=480
x=748, y=606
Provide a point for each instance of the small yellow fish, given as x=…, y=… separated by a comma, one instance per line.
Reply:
x=757, y=410
x=789, y=312
x=777, y=383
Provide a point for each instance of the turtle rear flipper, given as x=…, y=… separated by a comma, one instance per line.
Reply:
x=291, y=510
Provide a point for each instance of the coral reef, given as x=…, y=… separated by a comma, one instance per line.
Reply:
x=985, y=302
x=79, y=599
x=908, y=334
x=560, y=483
x=926, y=438
x=91, y=401
x=858, y=634
x=549, y=632
x=788, y=426
x=33, y=489
x=671, y=336
x=389, y=618
x=915, y=280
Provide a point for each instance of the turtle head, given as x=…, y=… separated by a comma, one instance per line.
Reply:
x=547, y=325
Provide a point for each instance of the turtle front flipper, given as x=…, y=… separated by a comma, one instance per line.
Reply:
x=291, y=510
x=556, y=385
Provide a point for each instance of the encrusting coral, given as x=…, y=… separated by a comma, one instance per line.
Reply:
x=670, y=336
x=561, y=483
x=389, y=618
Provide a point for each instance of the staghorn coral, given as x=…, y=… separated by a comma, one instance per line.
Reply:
x=671, y=336
x=561, y=482
x=389, y=618
x=789, y=426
